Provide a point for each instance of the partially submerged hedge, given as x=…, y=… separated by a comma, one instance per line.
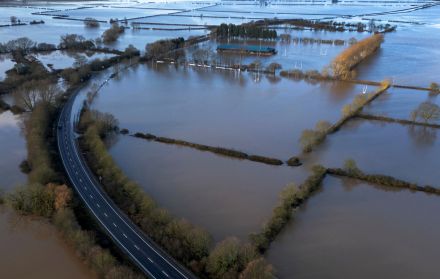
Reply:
x=217, y=150
x=290, y=198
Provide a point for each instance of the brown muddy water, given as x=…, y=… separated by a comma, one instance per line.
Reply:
x=33, y=249
x=13, y=150
x=354, y=230
x=400, y=103
x=227, y=197
x=221, y=108
x=404, y=151
x=30, y=248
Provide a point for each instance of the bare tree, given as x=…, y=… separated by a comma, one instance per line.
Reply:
x=31, y=93
x=426, y=111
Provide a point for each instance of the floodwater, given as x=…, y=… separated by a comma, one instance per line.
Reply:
x=292, y=55
x=221, y=108
x=12, y=150
x=409, y=56
x=400, y=103
x=33, y=249
x=404, y=151
x=355, y=230
x=64, y=59
x=227, y=197
x=6, y=64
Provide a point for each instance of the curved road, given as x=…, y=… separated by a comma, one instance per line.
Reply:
x=150, y=258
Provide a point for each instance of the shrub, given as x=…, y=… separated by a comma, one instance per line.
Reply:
x=25, y=167
x=229, y=258
x=273, y=67
x=434, y=87
x=258, y=269
x=91, y=22
x=112, y=34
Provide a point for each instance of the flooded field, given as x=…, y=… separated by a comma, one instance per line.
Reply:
x=400, y=103
x=64, y=59
x=13, y=150
x=290, y=55
x=34, y=250
x=355, y=230
x=264, y=118
x=6, y=64
x=408, y=56
x=34, y=247
x=403, y=151
x=227, y=197
x=348, y=229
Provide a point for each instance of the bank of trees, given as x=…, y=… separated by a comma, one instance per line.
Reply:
x=313, y=137
x=342, y=66
x=33, y=92
x=75, y=42
x=185, y=242
x=164, y=48
x=351, y=170
x=112, y=34
x=290, y=198
x=245, y=31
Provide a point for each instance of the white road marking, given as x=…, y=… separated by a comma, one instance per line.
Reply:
x=124, y=235
x=115, y=225
x=135, y=246
x=150, y=260
x=91, y=196
x=105, y=214
x=165, y=273
x=98, y=205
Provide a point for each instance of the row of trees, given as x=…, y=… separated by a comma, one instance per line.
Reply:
x=290, y=197
x=351, y=170
x=185, y=242
x=245, y=31
x=162, y=48
x=344, y=63
x=313, y=137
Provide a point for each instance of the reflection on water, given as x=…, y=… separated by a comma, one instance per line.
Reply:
x=225, y=196
x=409, y=56
x=400, y=103
x=32, y=249
x=12, y=150
x=352, y=230
x=406, y=152
x=422, y=136
x=221, y=108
